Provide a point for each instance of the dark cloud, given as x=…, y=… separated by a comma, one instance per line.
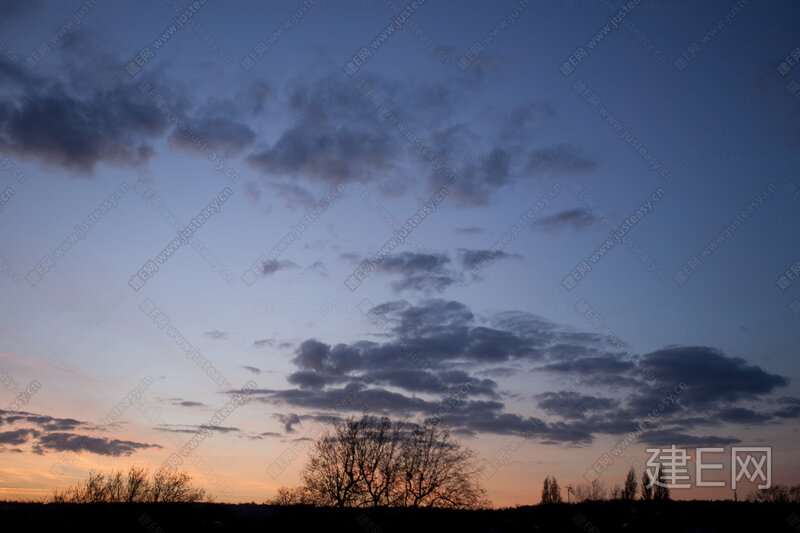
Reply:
x=412, y=372
x=577, y=219
x=668, y=437
x=18, y=436
x=49, y=122
x=271, y=343
x=562, y=159
x=180, y=402
x=352, y=397
x=569, y=404
x=423, y=272
x=288, y=420
x=44, y=422
x=327, y=360
x=336, y=137
x=71, y=442
x=270, y=267
x=307, y=379
x=219, y=133
x=431, y=272
x=473, y=259
x=606, y=369
x=479, y=177
x=57, y=434
x=741, y=415
x=790, y=409
x=711, y=376
x=408, y=263
x=252, y=369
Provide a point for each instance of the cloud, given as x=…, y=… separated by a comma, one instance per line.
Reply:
x=668, y=437
x=251, y=369
x=352, y=397
x=569, y=404
x=471, y=259
x=605, y=369
x=288, y=420
x=336, y=137
x=194, y=429
x=76, y=130
x=18, y=436
x=57, y=434
x=576, y=219
x=179, y=402
x=471, y=230
x=272, y=266
x=71, y=442
x=271, y=343
x=412, y=371
x=791, y=407
x=741, y=415
x=216, y=334
x=562, y=159
x=44, y=422
x=711, y=376
x=218, y=133
x=419, y=271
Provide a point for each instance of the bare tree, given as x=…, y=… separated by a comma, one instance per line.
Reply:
x=291, y=496
x=172, y=485
x=593, y=491
x=437, y=472
x=166, y=486
x=373, y=462
x=331, y=474
x=776, y=494
x=629, y=490
x=376, y=456
x=137, y=486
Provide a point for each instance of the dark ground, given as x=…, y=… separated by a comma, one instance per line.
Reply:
x=604, y=517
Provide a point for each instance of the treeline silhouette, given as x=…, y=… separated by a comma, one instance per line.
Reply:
x=651, y=489
x=167, y=485
x=375, y=462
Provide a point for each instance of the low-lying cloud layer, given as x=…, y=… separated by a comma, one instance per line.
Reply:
x=438, y=354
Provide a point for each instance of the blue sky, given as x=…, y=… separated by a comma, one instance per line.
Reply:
x=660, y=122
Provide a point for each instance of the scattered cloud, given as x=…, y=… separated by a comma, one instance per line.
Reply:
x=576, y=219
x=272, y=266
x=216, y=334
x=71, y=442
x=561, y=159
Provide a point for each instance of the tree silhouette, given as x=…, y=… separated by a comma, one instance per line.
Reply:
x=377, y=462
x=593, y=491
x=647, y=487
x=166, y=485
x=660, y=491
x=551, y=492
x=291, y=496
x=629, y=490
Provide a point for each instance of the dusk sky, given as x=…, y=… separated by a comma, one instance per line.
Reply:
x=568, y=228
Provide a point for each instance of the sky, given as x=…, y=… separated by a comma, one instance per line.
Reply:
x=567, y=229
